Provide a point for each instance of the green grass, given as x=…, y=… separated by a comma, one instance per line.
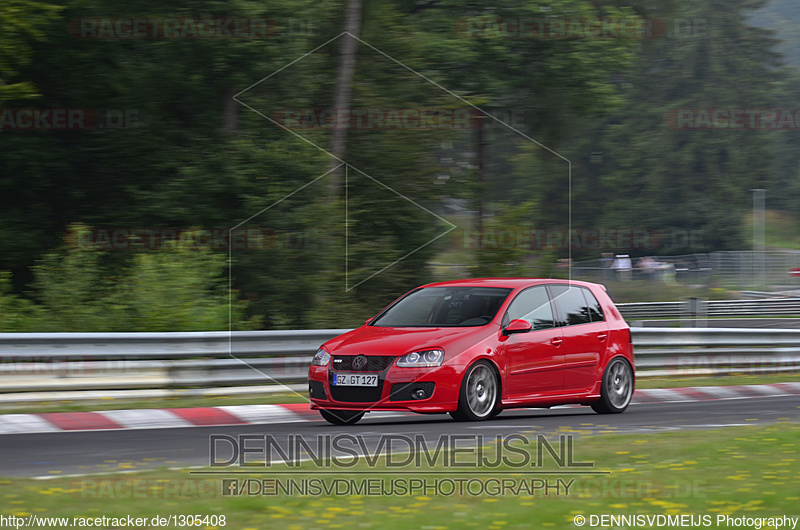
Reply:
x=645, y=291
x=723, y=380
x=751, y=471
x=781, y=230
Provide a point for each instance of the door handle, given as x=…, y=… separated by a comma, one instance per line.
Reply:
x=602, y=336
x=557, y=342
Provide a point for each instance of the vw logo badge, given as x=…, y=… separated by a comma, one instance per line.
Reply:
x=360, y=362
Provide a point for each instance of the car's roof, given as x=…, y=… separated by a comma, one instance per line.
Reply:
x=509, y=283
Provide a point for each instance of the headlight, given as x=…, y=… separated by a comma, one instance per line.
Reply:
x=421, y=359
x=321, y=358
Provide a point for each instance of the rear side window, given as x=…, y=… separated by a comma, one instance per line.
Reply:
x=595, y=310
x=532, y=305
x=571, y=307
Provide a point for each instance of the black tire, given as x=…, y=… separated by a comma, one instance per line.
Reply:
x=342, y=417
x=616, y=390
x=479, y=397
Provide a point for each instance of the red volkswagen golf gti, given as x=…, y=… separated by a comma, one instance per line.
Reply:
x=475, y=347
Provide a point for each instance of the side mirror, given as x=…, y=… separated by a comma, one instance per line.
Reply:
x=367, y=321
x=517, y=326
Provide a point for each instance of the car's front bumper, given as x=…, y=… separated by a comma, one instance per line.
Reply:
x=394, y=391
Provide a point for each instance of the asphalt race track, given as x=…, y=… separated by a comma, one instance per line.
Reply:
x=90, y=452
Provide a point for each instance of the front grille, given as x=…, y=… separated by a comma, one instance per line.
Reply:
x=375, y=363
x=316, y=390
x=404, y=391
x=357, y=394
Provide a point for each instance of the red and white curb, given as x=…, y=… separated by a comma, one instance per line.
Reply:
x=708, y=393
x=165, y=418
x=300, y=412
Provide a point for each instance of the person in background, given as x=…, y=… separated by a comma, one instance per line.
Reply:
x=623, y=265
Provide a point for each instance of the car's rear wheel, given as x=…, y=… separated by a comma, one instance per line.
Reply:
x=479, y=395
x=341, y=417
x=617, y=388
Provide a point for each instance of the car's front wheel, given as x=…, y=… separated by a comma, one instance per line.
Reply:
x=617, y=388
x=479, y=395
x=342, y=417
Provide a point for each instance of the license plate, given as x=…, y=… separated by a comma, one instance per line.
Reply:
x=355, y=380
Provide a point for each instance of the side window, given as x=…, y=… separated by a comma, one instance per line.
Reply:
x=595, y=310
x=570, y=304
x=532, y=305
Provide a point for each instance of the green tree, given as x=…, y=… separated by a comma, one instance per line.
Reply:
x=659, y=177
x=177, y=288
x=22, y=22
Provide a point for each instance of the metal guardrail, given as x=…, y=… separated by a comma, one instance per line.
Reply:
x=73, y=365
x=713, y=309
x=670, y=352
x=76, y=366
x=171, y=345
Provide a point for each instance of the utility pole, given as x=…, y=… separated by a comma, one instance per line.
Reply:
x=759, y=237
x=480, y=178
x=342, y=97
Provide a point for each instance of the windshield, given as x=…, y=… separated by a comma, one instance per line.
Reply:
x=444, y=307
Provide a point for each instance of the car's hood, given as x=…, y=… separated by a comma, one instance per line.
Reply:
x=373, y=340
